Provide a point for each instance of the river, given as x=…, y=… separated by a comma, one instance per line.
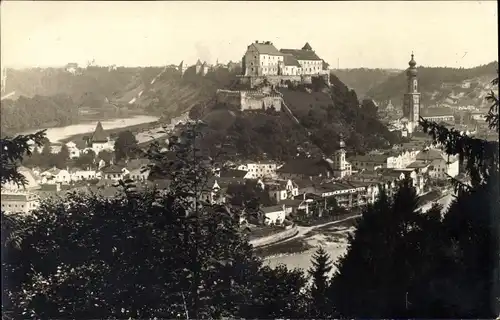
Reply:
x=59, y=133
x=335, y=248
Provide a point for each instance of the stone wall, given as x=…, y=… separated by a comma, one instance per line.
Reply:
x=250, y=100
x=257, y=100
x=228, y=97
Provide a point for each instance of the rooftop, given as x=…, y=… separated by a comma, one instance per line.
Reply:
x=290, y=60
x=266, y=48
x=99, y=134
x=301, y=54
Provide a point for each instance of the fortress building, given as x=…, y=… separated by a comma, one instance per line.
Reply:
x=263, y=60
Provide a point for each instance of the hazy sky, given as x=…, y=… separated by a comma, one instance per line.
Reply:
x=358, y=34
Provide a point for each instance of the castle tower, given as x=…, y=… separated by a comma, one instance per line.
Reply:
x=411, y=102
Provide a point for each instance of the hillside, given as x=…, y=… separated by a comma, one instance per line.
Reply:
x=363, y=80
x=440, y=86
x=324, y=114
x=97, y=91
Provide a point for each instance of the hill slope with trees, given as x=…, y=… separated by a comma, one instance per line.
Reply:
x=437, y=84
x=363, y=80
x=325, y=113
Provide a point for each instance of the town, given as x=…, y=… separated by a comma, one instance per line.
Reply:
x=298, y=187
x=250, y=160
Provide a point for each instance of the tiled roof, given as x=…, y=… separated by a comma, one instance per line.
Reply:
x=13, y=197
x=301, y=54
x=430, y=154
x=137, y=164
x=377, y=158
x=308, y=167
x=266, y=48
x=417, y=164
x=307, y=46
x=437, y=112
x=112, y=169
x=290, y=60
x=325, y=65
x=53, y=171
x=272, y=209
x=231, y=173
x=99, y=134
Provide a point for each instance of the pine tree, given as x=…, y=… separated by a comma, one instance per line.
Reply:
x=321, y=267
x=471, y=227
x=373, y=279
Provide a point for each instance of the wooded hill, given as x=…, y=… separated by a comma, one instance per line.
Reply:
x=438, y=84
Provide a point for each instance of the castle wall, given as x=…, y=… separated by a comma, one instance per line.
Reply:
x=250, y=100
x=256, y=100
x=231, y=98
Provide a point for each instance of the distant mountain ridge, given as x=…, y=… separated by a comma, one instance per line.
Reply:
x=363, y=80
x=440, y=86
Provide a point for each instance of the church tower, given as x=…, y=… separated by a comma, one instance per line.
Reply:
x=411, y=102
x=341, y=167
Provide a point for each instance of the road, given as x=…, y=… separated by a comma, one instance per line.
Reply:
x=445, y=201
x=302, y=231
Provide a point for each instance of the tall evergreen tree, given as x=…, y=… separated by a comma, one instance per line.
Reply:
x=319, y=271
x=471, y=226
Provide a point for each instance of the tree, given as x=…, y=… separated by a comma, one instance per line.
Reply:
x=375, y=276
x=95, y=257
x=471, y=226
x=105, y=155
x=125, y=145
x=86, y=159
x=60, y=159
x=13, y=151
x=321, y=267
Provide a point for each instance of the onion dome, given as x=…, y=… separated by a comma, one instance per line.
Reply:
x=412, y=70
x=341, y=143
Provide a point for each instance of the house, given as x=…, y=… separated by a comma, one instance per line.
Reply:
x=280, y=190
x=19, y=202
x=99, y=140
x=440, y=165
x=113, y=172
x=183, y=67
x=260, y=169
x=72, y=68
x=76, y=148
x=438, y=114
x=233, y=66
x=307, y=168
x=369, y=162
x=291, y=65
x=138, y=169
x=82, y=175
x=309, y=61
x=30, y=181
x=199, y=67
x=234, y=173
x=262, y=58
x=274, y=214
x=205, y=68
x=56, y=175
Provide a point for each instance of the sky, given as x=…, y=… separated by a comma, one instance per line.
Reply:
x=373, y=34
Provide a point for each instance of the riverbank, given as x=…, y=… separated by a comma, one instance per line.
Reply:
x=65, y=133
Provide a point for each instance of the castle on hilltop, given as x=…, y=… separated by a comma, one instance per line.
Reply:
x=263, y=62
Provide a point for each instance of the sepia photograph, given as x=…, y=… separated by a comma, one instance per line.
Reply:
x=250, y=160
